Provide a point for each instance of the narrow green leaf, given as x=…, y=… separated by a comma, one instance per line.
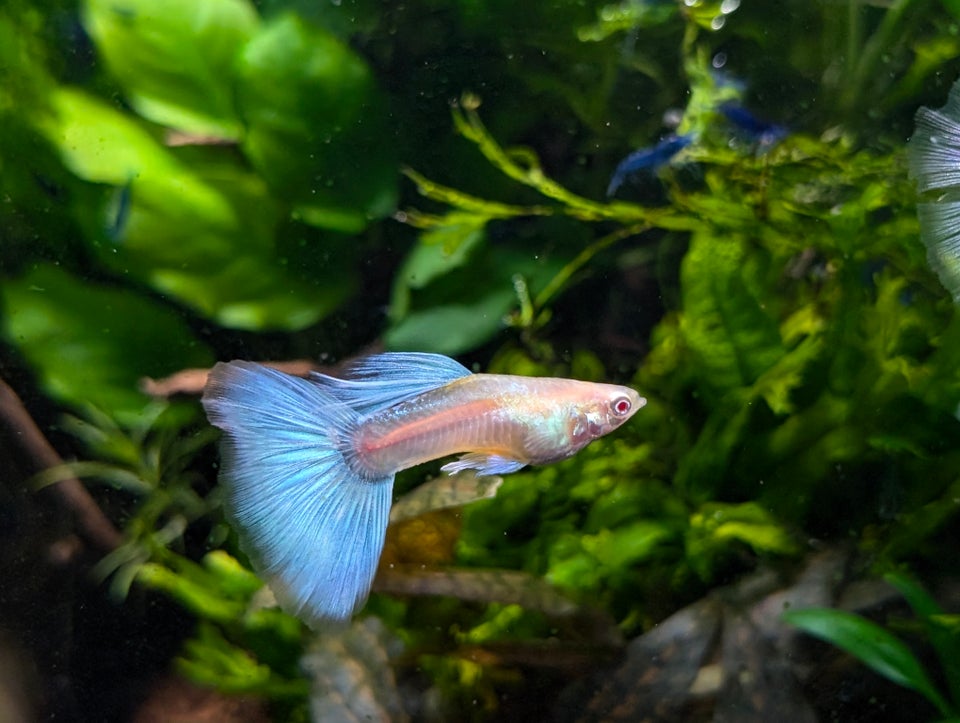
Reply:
x=211, y=660
x=872, y=645
x=945, y=639
x=116, y=477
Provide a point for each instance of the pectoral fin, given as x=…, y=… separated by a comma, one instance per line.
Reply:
x=485, y=464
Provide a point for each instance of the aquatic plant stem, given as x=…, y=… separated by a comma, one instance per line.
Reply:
x=581, y=259
x=863, y=62
x=466, y=202
x=522, y=165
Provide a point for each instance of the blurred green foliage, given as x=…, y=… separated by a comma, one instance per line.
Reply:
x=228, y=182
x=215, y=178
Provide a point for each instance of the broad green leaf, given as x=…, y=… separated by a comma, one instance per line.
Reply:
x=716, y=524
x=953, y=6
x=585, y=560
x=451, y=329
x=209, y=659
x=438, y=251
x=724, y=321
x=233, y=272
x=870, y=644
x=91, y=344
x=617, y=549
x=175, y=59
x=482, y=540
x=195, y=596
x=761, y=537
x=259, y=292
x=25, y=77
x=454, y=313
x=197, y=226
x=777, y=385
x=316, y=125
x=702, y=470
x=101, y=144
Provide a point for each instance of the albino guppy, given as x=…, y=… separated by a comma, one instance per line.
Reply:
x=308, y=464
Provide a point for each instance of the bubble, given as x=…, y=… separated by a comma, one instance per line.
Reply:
x=718, y=22
x=719, y=60
x=672, y=117
x=729, y=6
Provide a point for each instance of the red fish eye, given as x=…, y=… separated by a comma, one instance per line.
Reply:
x=621, y=406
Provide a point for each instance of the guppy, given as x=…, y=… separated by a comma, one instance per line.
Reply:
x=308, y=464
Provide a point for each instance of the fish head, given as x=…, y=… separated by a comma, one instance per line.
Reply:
x=604, y=408
x=569, y=414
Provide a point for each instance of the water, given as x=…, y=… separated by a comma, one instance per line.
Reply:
x=305, y=181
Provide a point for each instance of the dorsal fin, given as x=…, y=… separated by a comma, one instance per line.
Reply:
x=380, y=381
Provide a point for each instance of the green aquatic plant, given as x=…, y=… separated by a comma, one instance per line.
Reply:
x=152, y=462
x=784, y=366
x=207, y=170
x=240, y=644
x=770, y=298
x=885, y=653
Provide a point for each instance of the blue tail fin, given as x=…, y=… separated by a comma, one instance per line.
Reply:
x=312, y=526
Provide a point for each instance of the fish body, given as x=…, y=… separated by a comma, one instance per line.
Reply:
x=527, y=420
x=308, y=464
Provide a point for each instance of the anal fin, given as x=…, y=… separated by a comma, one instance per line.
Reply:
x=485, y=464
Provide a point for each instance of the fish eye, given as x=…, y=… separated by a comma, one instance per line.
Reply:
x=621, y=406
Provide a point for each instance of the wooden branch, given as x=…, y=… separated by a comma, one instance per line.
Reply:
x=92, y=525
x=192, y=381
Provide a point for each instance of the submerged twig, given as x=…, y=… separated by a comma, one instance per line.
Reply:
x=192, y=381
x=92, y=525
